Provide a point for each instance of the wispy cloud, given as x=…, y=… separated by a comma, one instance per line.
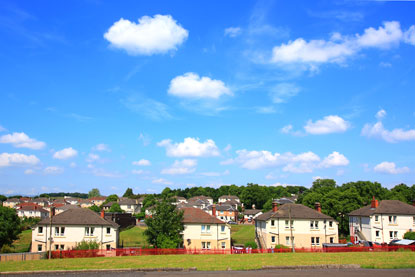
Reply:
x=147, y=107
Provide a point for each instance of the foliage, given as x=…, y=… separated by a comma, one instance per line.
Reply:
x=280, y=246
x=409, y=235
x=141, y=215
x=87, y=245
x=22, y=244
x=165, y=225
x=251, y=244
x=94, y=193
x=62, y=194
x=10, y=226
x=115, y=208
x=128, y=193
x=29, y=222
x=242, y=234
x=95, y=208
x=3, y=198
x=133, y=237
x=149, y=200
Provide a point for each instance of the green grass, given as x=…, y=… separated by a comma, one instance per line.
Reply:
x=221, y=262
x=134, y=237
x=242, y=234
x=23, y=243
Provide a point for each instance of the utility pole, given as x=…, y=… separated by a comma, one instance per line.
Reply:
x=291, y=230
x=52, y=213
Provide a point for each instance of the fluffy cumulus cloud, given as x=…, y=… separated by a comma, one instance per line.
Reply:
x=338, y=48
x=185, y=166
x=53, y=170
x=233, y=32
x=17, y=159
x=329, y=124
x=294, y=163
x=192, y=86
x=142, y=162
x=101, y=148
x=284, y=91
x=390, y=168
x=377, y=130
x=190, y=147
x=65, y=154
x=152, y=35
x=21, y=140
x=92, y=158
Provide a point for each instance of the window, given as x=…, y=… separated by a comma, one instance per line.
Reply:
x=222, y=228
x=317, y=240
x=393, y=234
x=205, y=245
x=316, y=224
x=128, y=206
x=62, y=247
x=311, y=224
x=56, y=246
x=376, y=218
x=108, y=247
x=312, y=241
x=273, y=239
x=40, y=230
x=287, y=240
x=330, y=224
x=89, y=231
x=39, y=248
x=287, y=224
x=331, y=240
x=413, y=219
x=223, y=245
x=377, y=234
x=59, y=231
x=208, y=245
x=108, y=230
x=205, y=228
x=272, y=222
x=392, y=219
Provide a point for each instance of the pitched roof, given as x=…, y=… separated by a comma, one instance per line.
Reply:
x=385, y=207
x=12, y=200
x=98, y=198
x=200, y=197
x=221, y=208
x=231, y=202
x=33, y=208
x=195, y=215
x=127, y=202
x=298, y=211
x=251, y=211
x=284, y=200
x=78, y=217
x=233, y=197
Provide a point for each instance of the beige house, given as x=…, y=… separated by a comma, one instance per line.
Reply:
x=73, y=226
x=130, y=205
x=307, y=228
x=382, y=221
x=11, y=203
x=204, y=231
x=98, y=200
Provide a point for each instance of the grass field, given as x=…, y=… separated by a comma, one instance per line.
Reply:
x=221, y=262
x=23, y=243
x=241, y=234
x=133, y=237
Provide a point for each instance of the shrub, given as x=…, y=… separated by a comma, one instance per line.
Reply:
x=251, y=244
x=409, y=235
x=280, y=246
x=87, y=245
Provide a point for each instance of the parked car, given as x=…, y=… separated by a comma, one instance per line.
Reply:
x=231, y=222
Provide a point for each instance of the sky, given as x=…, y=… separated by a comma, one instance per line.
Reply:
x=149, y=94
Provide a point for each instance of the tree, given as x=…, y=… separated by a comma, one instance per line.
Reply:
x=3, y=198
x=115, y=208
x=94, y=193
x=95, y=208
x=128, y=193
x=111, y=198
x=10, y=226
x=409, y=235
x=165, y=225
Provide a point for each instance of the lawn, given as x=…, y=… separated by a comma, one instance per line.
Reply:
x=221, y=262
x=133, y=237
x=23, y=243
x=242, y=234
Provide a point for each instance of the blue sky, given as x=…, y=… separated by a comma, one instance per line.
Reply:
x=148, y=94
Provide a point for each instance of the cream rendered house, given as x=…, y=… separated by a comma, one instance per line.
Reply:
x=32, y=211
x=308, y=228
x=130, y=206
x=382, y=222
x=11, y=203
x=204, y=231
x=73, y=226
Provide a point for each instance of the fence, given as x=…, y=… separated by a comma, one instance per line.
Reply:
x=22, y=256
x=158, y=251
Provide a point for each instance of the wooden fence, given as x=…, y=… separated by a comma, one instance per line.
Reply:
x=27, y=256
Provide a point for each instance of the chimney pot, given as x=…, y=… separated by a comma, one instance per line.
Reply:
x=317, y=206
x=375, y=203
x=102, y=213
x=274, y=206
x=214, y=210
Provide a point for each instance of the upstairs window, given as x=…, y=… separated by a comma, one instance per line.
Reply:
x=40, y=230
x=59, y=231
x=108, y=230
x=89, y=231
x=330, y=224
x=392, y=219
x=222, y=228
x=287, y=224
x=272, y=222
x=376, y=218
x=205, y=228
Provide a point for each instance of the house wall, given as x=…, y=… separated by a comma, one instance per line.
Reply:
x=369, y=225
x=73, y=234
x=39, y=214
x=193, y=236
x=133, y=209
x=302, y=232
x=10, y=204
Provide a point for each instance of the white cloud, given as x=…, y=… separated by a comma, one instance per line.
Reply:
x=92, y=158
x=181, y=167
x=233, y=31
x=284, y=91
x=227, y=162
x=190, y=147
x=100, y=172
x=21, y=140
x=137, y=172
x=329, y=124
x=378, y=131
x=53, y=170
x=390, y=168
x=380, y=114
x=339, y=47
x=191, y=85
x=265, y=110
x=287, y=129
x=16, y=159
x=72, y=165
x=334, y=159
x=215, y=174
x=2, y=129
x=161, y=181
x=142, y=162
x=101, y=147
x=29, y=172
x=152, y=35
x=65, y=154
x=227, y=148
x=144, y=138
x=148, y=107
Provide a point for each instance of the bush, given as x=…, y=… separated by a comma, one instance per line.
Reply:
x=87, y=245
x=141, y=215
x=251, y=244
x=280, y=246
x=409, y=235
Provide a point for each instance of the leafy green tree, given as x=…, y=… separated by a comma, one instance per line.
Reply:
x=95, y=208
x=149, y=200
x=111, y=198
x=94, y=193
x=115, y=208
x=128, y=193
x=165, y=225
x=3, y=198
x=409, y=235
x=10, y=226
x=167, y=192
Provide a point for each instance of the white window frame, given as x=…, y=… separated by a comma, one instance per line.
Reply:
x=287, y=240
x=108, y=231
x=40, y=230
x=39, y=248
x=313, y=241
x=272, y=222
x=222, y=228
x=331, y=240
x=377, y=233
x=89, y=231
x=376, y=218
x=330, y=224
x=205, y=229
x=272, y=238
x=223, y=245
x=59, y=231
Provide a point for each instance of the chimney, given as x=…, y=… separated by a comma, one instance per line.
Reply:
x=214, y=210
x=102, y=213
x=317, y=206
x=274, y=206
x=375, y=203
x=253, y=206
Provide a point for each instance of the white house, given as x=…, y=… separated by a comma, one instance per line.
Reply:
x=130, y=205
x=32, y=211
x=72, y=227
x=295, y=225
x=381, y=221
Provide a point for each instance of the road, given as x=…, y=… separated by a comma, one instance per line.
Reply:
x=257, y=273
